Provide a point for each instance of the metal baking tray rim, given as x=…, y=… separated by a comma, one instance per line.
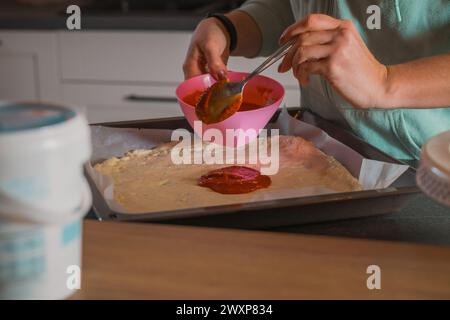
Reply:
x=103, y=211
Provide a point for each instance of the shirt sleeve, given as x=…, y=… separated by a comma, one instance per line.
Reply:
x=272, y=17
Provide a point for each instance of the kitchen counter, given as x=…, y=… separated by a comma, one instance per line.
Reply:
x=18, y=17
x=102, y=22
x=421, y=221
x=144, y=261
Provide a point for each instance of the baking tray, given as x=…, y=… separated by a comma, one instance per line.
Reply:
x=276, y=213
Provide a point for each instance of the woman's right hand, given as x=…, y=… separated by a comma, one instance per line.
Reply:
x=208, y=50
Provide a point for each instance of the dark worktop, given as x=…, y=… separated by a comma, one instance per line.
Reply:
x=102, y=22
x=19, y=17
x=421, y=221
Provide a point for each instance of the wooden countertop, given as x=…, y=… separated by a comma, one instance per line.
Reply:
x=145, y=261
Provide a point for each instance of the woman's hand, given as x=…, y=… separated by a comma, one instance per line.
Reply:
x=334, y=49
x=208, y=50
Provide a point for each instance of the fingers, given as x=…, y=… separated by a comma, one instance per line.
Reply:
x=194, y=64
x=286, y=63
x=304, y=40
x=311, y=53
x=305, y=61
x=305, y=69
x=214, y=62
x=197, y=63
x=313, y=22
x=303, y=54
x=317, y=37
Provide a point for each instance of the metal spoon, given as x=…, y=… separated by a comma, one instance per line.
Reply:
x=212, y=106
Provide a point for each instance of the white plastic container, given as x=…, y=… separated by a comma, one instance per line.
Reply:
x=433, y=174
x=43, y=197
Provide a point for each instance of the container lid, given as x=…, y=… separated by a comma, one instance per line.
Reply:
x=26, y=116
x=25, y=127
x=433, y=174
x=437, y=152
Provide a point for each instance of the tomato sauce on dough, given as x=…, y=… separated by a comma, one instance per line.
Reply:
x=234, y=180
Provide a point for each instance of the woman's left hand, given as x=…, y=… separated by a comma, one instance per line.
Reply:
x=334, y=49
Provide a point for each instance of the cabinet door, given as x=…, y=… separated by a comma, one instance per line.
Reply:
x=18, y=77
x=137, y=57
x=115, y=102
x=123, y=56
x=29, y=65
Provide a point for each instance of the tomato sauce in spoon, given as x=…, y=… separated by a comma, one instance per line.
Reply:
x=193, y=98
x=213, y=105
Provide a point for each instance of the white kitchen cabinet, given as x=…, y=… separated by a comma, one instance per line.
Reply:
x=115, y=75
x=132, y=56
x=99, y=69
x=115, y=102
x=18, y=77
x=124, y=56
x=29, y=66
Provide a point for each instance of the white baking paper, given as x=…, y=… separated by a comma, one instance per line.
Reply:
x=372, y=174
x=110, y=142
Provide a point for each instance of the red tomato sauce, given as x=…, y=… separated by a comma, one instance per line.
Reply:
x=234, y=180
x=193, y=98
x=203, y=108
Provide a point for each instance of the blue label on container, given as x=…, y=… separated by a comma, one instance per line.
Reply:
x=23, y=254
x=27, y=188
x=25, y=244
x=71, y=232
x=22, y=268
x=17, y=117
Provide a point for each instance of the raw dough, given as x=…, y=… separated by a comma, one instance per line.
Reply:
x=148, y=181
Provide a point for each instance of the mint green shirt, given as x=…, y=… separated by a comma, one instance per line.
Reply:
x=410, y=29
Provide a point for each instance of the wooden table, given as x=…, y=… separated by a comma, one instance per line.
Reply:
x=145, y=261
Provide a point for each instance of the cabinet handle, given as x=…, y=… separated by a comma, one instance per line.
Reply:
x=139, y=98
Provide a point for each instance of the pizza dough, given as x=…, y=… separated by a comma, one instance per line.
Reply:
x=148, y=181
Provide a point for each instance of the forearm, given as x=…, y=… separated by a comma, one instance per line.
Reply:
x=249, y=37
x=423, y=83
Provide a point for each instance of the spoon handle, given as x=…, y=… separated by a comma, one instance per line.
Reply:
x=274, y=57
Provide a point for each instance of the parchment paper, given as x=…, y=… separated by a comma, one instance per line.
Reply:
x=114, y=142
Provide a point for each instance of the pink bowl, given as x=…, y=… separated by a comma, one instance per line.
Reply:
x=255, y=120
